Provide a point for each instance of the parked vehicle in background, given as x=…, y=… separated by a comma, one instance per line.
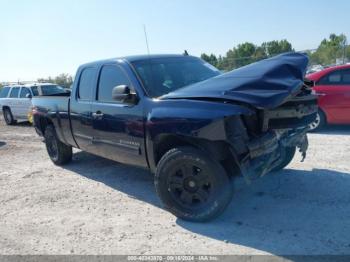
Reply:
x=314, y=69
x=332, y=85
x=195, y=128
x=45, y=89
x=15, y=100
x=15, y=103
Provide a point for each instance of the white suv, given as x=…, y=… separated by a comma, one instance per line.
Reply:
x=15, y=101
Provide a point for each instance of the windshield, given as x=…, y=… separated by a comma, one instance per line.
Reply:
x=47, y=90
x=163, y=75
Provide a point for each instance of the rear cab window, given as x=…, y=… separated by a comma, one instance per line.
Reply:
x=48, y=90
x=14, y=92
x=86, y=83
x=4, y=91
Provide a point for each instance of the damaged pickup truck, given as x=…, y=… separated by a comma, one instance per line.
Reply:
x=195, y=128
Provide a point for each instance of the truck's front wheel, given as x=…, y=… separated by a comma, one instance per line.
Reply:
x=191, y=185
x=59, y=153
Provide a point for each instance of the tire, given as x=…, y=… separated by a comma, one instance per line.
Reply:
x=287, y=153
x=191, y=185
x=59, y=153
x=319, y=123
x=8, y=116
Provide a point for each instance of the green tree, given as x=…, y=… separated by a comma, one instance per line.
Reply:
x=329, y=52
x=331, y=49
x=277, y=47
x=211, y=59
x=64, y=80
x=237, y=57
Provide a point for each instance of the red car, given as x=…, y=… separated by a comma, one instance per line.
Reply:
x=332, y=85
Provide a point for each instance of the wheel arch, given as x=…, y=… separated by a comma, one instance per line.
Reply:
x=218, y=150
x=5, y=107
x=320, y=109
x=43, y=123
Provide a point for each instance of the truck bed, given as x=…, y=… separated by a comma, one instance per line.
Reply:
x=56, y=107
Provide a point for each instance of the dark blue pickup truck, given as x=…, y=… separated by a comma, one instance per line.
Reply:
x=194, y=127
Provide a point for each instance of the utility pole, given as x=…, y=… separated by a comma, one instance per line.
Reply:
x=344, y=51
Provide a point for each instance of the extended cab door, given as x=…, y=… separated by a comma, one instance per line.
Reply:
x=80, y=107
x=334, y=96
x=118, y=127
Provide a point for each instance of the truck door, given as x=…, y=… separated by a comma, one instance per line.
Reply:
x=80, y=107
x=118, y=131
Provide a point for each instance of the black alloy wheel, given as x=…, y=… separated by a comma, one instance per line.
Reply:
x=59, y=152
x=192, y=185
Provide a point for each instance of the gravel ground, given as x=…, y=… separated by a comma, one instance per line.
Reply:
x=95, y=206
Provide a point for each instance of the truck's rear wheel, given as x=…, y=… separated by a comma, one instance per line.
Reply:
x=191, y=185
x=287, y=154
x=59, y=153
x=8, y=116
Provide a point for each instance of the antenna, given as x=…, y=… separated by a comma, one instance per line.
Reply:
x=146, y=39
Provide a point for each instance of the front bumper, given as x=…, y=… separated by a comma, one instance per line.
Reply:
x=264, y=153
x=296, y=113
x=258, y=154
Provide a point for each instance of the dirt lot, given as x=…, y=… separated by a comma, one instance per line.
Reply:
x=95, y=206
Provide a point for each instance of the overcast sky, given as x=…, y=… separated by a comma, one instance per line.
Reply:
x=41, y=38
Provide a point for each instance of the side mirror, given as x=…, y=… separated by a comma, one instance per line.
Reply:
x=122, y=93
x=28, y=95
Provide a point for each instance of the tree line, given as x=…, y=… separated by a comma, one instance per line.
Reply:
x=328, y=52
x=64, y=80
x=331, y=50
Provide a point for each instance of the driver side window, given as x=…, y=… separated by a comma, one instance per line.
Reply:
x=110, y=77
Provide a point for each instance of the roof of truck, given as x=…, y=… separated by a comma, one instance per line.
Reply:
x=136, y=58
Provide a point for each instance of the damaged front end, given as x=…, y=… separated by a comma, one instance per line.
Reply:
x=258, y=141
x=280, y=108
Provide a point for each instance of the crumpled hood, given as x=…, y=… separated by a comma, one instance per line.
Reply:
x=264, y=84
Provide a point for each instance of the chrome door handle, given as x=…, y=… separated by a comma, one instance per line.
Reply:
x=98, y=114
